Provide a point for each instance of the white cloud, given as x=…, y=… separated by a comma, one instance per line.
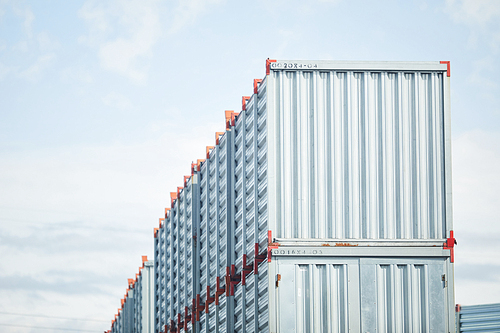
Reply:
x=473, y=12
x=331, y=1
x=35, y=71
x=4, y=70
x=27, y=15
x=125, y=33
x=76, y=74
x=187, y=11
x=476, y=203
x=117, y=100
x=481, y=16
x=476, y=180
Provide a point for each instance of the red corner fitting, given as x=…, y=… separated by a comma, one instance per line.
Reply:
x=173, y=196
x=185, y=180
x=209, y=299
x=187, y=318
x=228, y=114
x=155, y=231
x=193, y=165
x=244, y=100
x=258, y=259
x=180, y=323
x=234, y=279
x=256, y=85
x=217, y=136
x=166, y=212
x=193, y=312
x=219, y=291
x=448, y=70
x=161, y=219
x=208, y=151
x=144, y=259
x=179, y=191
x=449, y=245
x=268, y=65
x=458, y=308
x=271, y=245
x=199, y=307
x=198, y=163
x=247, y=269
x=227, y=282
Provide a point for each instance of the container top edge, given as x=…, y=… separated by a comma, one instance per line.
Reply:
x=359, y=65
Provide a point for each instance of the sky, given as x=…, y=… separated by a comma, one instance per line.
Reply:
x=104, y=104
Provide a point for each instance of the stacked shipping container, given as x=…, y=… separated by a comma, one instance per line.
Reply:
x=325, y=206
x=478, y=318
x=136, y=312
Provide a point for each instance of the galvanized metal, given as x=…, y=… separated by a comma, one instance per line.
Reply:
x=324, y=206
x=334, y=294
x=144, y=299
x=357, y=151
x=478, y=318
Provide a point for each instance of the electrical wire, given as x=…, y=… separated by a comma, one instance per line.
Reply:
x=44, y=316
x=48, y=328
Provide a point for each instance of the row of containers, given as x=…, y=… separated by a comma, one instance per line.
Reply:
x=324, y=206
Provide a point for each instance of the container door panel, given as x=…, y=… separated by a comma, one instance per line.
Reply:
x=317, y=297
x=406, y=295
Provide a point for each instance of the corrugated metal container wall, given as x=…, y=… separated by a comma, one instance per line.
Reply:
x=357, y=150
x=339, y=175
x=144, y=298
x=216, y=247
x=250, y=222
x=174, y=247
x=335, y=294
x=162, y=265
x=478, y=318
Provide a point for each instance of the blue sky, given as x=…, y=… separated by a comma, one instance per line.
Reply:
x=104, y=104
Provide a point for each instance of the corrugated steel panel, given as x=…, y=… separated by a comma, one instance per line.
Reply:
x=144, y=299
x=362, y=295
x=358, y=154
x=345, y=165
x=478, y=318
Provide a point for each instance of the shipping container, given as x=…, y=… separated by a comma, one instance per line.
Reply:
x=143, y=289
x=478, y=318
x=136, y=312
x=324, y=206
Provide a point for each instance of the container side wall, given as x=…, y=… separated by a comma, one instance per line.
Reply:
x=478, y=318
x=357, y=154
x=335, y=294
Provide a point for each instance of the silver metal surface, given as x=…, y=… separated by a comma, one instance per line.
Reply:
x=478, y=318
x=362, y=295
x=358, y=152
x=325, y=206
x=144, y=299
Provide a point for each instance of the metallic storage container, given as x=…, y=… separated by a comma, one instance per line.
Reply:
x=325, y=206
x=143, y=289
x=358, y=150
x=136, y=312
x=478, y=318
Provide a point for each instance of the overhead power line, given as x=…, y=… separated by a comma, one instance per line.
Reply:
x=50, y=328
x=53, y=317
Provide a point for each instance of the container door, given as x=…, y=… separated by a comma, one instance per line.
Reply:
x=367, y=295
x=316, y=297
x=403, y=295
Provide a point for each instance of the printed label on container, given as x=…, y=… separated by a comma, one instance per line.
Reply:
x=292, y=65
